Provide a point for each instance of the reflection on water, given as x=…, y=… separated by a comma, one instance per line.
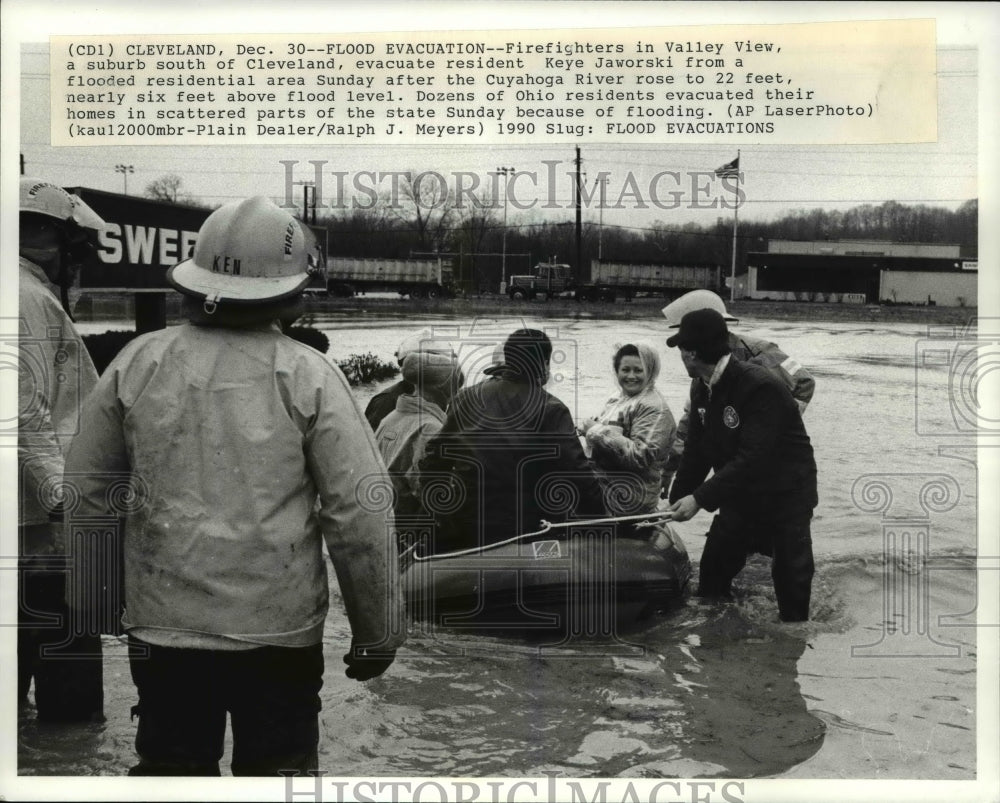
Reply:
x=715, y=689
x=686, y=703
x=683, y=705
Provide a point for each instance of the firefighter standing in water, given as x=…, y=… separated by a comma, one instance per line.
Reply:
x=246, y=449
x=55, y=374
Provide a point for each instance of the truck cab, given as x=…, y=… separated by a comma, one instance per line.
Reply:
x=546, y=277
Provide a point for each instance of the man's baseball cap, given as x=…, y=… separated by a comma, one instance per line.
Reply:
x=702, y=327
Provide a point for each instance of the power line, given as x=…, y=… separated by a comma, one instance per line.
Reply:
x=750, y=172
x=858, y=200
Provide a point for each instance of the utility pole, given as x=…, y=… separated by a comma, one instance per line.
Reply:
x=736, y=221
x=305, y=201
x=600, y=225
x=124, y=170
x=579, y=219
x=504, y=171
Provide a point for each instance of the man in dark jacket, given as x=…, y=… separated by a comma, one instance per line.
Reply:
x=748, y=430
x=512, y=451
x=742, y=347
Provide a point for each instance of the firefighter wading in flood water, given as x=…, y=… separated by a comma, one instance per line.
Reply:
x=245, y=449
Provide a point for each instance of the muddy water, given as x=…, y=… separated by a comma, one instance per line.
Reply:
x=880, y=684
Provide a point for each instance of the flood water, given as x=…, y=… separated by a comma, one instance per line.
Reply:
x=880, y=684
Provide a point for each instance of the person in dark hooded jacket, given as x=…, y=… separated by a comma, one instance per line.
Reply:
x=511, y=452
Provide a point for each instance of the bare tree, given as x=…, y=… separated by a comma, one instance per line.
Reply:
x=366, y=231
x=427, y=202
x=478, y=222
x=167, y=188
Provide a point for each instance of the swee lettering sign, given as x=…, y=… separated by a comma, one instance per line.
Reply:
x=142, y=238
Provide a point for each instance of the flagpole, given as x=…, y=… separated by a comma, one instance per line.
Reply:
x=736, y=218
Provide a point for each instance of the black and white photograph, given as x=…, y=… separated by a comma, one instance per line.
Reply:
x=515, y=401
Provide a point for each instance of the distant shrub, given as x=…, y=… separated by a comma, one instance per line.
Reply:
x=361, y=368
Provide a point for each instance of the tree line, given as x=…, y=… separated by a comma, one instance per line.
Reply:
x=424, y=220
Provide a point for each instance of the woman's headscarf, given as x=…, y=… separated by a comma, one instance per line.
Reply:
x=650, y=360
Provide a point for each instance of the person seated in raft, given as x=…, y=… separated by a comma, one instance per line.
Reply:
x=631, y=437
x=509, y=454
x=403, y=434
x=384, y=402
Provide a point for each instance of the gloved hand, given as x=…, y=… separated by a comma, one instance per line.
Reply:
x=365, y=664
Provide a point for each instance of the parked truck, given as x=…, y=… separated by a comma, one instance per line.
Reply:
x=548, y=278
x=612, y=280
x=417, y=278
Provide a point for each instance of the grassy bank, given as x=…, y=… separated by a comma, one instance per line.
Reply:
x=650, y=308
x=100, y=307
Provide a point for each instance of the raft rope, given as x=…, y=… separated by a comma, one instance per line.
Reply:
x=646, y=518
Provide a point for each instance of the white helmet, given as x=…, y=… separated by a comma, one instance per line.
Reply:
x=43, y=198
x=248, y=252
x=689, y=302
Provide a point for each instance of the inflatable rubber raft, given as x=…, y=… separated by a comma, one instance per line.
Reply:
x=588, y=583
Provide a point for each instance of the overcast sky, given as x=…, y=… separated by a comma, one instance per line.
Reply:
x=778, y=178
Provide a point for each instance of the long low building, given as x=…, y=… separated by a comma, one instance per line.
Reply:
x=863, y=272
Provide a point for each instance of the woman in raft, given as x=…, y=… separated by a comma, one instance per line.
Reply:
x=630, y=438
